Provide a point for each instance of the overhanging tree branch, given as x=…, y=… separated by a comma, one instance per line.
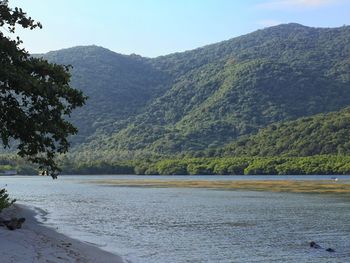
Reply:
x=35, y=97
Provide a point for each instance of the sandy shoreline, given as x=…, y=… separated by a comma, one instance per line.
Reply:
x=37, y=243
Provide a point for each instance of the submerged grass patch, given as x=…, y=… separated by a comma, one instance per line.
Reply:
x=322, y=186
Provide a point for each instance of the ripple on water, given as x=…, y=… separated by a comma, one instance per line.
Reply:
x=192, y=225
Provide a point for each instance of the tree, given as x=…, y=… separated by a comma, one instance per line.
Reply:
x=35, y=96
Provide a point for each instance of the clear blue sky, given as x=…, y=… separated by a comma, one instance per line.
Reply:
x=157, y=27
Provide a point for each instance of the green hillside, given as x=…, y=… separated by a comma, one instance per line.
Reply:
x=223, y=91
x=118, y=86
x=319, y=134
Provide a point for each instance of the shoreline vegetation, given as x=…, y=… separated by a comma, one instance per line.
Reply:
x=310, y=165
x=37, y=243
x=319, y=187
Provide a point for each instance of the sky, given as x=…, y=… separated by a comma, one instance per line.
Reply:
x=158, y=27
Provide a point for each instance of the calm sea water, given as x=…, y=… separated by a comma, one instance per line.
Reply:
x=191, y=225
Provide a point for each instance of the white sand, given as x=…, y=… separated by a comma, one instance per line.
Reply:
x=37, y=243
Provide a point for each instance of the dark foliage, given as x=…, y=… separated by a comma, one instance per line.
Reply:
x=5, y=201
x=34, y=97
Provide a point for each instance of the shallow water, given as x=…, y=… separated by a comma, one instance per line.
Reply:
x=192, y=225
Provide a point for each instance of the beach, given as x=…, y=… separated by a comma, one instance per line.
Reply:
x=37, y=243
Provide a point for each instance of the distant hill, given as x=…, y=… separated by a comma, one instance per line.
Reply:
x=207, y=97
x=319, y=134
x=118, y=86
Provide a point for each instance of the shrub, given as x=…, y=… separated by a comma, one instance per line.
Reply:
x=5, y=200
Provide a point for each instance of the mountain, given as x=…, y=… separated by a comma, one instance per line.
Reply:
x=308, y=136
x=118, y=86
x=207, y=97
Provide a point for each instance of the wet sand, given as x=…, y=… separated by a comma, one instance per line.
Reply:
x=39, y=244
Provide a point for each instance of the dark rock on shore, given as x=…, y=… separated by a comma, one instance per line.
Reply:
x=14, y=223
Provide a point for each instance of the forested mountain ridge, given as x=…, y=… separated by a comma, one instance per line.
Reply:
x=318, y=134
x=292, y=43
x=207, y=97
x=118, y=86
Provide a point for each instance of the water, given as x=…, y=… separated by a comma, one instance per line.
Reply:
x=191, y=225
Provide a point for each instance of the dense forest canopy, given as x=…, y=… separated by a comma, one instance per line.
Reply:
x=118, y=86
x=319, y=134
